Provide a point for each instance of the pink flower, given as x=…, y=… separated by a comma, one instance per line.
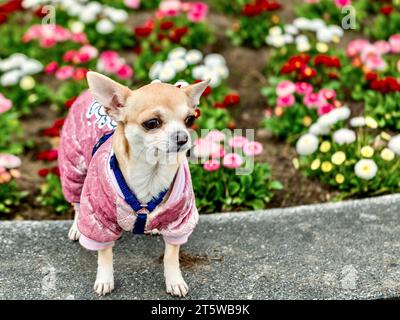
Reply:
x=47, y=42
x=134, y=4
x=65, y=72
x=237, y=142
x=304, y=88
x=342, y=3
x=312, y=100
x=197, y=11
x=51, y=67
x=327, y=94
x=215, y=136
x=356, y=46
x=9, y=161
x=285, y=88
x=382, y=46
x=91, y=51
x=206, y=148
x=252, y=148
x=125, y=72
x=5, y=104
x=324, y=109
x=232, y=161
x=285, y=101
x=376, y=63
x=211, y=165
x=79, y=37
x=110, y=61
x=394, y=42
x=170, y=8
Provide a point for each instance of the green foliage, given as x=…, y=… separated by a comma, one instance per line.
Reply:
x=51, y=195
x=224, y=190
x=10, y=196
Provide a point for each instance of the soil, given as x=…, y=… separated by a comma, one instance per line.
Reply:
x=246, y=77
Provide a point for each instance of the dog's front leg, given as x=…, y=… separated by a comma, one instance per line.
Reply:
x=105, y=273
x=74, y=233
x=174, y=282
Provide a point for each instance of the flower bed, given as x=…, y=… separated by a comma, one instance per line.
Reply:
x=325, y=111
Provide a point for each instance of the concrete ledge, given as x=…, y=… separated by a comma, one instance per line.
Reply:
x=348, y=250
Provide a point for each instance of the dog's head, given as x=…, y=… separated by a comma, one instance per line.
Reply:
x=155, y=117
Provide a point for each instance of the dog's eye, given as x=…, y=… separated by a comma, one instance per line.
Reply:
x=189, y=121
x=151, y=124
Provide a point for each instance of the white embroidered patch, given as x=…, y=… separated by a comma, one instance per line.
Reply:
x=102, y=119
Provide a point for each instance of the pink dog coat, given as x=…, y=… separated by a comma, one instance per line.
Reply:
x=89, y=180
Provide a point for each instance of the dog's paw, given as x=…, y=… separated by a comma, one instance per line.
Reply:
x=154, y=232
x=74, y=233
x=102, y=287
x=176, y=286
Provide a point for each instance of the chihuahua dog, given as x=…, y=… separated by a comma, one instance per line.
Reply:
x=123, y=166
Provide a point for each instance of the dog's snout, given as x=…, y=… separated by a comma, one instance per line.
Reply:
x=180, y=137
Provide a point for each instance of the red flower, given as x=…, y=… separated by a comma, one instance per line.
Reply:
x=144, y=30
x=69, y=55
x=370, y=76
x=68, y=104
x=219, y=105
x=177, y=34
x=251, y=10
x=11, y=6
x=333, y=75
x=166, y=25
x=40, y=13
x=137, y=50
x=59, y=123
x=51, y=132
x=48, y=155
x=3, y=18
x=322, y=59
x=51, y=67
x=308, y=73
x=386, y=10
x=56, y=171
x=231, y=99
x=79, y=74
x=43, y=172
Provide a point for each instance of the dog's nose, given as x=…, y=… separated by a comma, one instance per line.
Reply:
x=180, y=137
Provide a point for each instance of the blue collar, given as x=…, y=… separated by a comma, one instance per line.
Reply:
x=132, y=200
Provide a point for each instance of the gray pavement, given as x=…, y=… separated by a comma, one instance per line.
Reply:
x=348, y=250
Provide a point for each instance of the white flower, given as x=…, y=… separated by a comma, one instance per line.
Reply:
x=77, y=26
x=167, y=73
x=176, y=53
x=291, y=29
x=75, y=10
x=214, y=59
x=155, y=70
x=336, y=30
x=156, y=81
x=14, y=61
x=193, y=56
x=302, y=43
x=288, y=38
x=31, y=67
x=276, y=41
x=317, y=24
x=26, y=4
x=222, y=71
x=307, y=144
x=365, y=169
x=394, y=144
x=344, y=136
x=275, y=31
x=215, y=78
x=324, y=35
x=10, y=78
x=342, y=113
x=94, y=7
x=87, y=16
x=178, y=64
x=357, y=122
x=302, y=23
x=318, y=130
x=199, y=71
x=104, y=26
x=327, y=120
x=116, y=15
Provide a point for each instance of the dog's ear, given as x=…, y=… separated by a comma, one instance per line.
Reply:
x=109, y=93
x=194, y=91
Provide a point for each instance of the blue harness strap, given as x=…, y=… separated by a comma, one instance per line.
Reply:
x=132, y=200
x=101, y=141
